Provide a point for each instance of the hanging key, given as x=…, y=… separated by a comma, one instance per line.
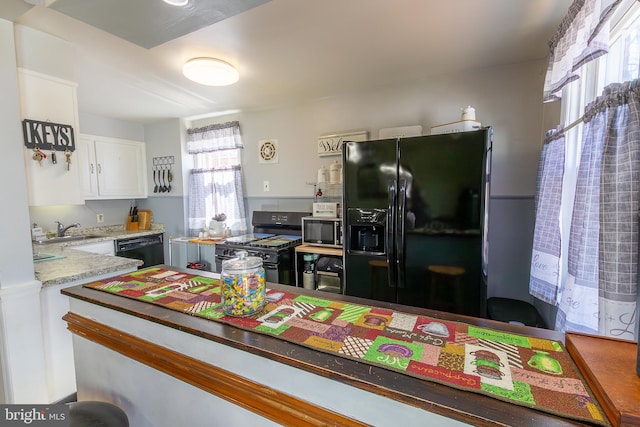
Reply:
x=67, y=153
x=54, y=159
x=38, y=156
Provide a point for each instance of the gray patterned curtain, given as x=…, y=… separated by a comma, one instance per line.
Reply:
x=215, y=187
x=544, y=281
x=599, y=295
x=583, y=36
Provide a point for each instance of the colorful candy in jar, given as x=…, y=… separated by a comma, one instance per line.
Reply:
x=243, y=285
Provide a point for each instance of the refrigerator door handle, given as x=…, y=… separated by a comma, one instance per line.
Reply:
x=402, y=204
x=390, y=225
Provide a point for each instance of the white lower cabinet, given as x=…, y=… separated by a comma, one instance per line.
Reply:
x=112, y=168
x=104, y=248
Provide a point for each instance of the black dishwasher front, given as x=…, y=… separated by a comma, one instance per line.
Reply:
x=149, y=249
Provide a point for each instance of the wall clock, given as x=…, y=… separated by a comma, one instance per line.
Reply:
x=268, y=151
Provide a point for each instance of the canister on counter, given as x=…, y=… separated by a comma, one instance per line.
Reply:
x=243, y=285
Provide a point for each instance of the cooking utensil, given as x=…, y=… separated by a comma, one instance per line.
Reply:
x=164, y=180
x=155, y=189
x=170, y=178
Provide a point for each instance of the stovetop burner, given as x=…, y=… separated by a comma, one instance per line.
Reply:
x=276, y=242
x=247, y=238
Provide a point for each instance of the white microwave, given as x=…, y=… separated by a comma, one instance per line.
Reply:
x=318, y=231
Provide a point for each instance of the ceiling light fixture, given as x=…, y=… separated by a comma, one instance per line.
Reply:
x=177, y=2
x=210, y=72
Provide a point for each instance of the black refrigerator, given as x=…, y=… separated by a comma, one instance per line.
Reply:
x=409, y=203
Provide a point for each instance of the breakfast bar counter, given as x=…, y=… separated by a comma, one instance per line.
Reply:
x=165, y=368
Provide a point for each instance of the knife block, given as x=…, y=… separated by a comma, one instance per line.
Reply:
x=144, y=219
x=131, y=225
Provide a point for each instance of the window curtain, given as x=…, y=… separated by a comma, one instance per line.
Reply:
x=214, y=189
x=601, y=291
x=582, y=37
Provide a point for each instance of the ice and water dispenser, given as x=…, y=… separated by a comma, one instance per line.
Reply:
x=367, y=228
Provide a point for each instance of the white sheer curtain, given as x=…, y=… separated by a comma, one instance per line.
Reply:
x=216, y=183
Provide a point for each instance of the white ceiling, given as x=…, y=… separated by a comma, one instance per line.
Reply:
x=287, y=51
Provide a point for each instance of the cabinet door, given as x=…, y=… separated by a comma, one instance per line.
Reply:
x=121, y=167
x=103, y=248
x=46, y=98
x=86, y=154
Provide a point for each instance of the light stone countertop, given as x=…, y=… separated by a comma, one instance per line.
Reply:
x=74, y=265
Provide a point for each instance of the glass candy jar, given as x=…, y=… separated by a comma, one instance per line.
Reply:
x=243, y=285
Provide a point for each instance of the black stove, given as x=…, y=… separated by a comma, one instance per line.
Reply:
x=275, y=236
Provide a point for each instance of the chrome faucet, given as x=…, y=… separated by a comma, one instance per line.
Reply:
x=62, y=229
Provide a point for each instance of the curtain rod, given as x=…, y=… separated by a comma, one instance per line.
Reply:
x=573, y=124
x=561, y=131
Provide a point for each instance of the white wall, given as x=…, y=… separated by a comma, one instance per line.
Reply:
x=21, y=348
x=104, y=126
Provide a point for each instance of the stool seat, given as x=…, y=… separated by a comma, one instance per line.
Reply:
x=446, y=287
x=96, y=414
x=447, y=270
x=514, y=311
x=378, y=263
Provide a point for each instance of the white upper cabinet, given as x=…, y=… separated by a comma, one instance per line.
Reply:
x=45, y=98
x=112, y=168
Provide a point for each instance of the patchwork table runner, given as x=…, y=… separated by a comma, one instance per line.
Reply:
x=533, y=372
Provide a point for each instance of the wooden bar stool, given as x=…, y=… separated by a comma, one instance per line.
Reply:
x=446, y=287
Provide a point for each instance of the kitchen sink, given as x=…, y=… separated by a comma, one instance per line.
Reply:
x=70, y=238
x=37, y=257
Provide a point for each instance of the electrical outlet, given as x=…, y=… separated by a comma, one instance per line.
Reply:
x=265, y=186
x=100, y=218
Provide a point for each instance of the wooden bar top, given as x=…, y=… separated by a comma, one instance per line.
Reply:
x=472, y=408
x=322, y=250
x=609, y=367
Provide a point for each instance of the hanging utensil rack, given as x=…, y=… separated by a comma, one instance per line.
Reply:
x=161, y=173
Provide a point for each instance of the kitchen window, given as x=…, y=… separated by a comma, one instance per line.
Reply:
x=216, y=181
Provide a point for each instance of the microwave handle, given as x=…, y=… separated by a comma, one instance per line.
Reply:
x=338, y=232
